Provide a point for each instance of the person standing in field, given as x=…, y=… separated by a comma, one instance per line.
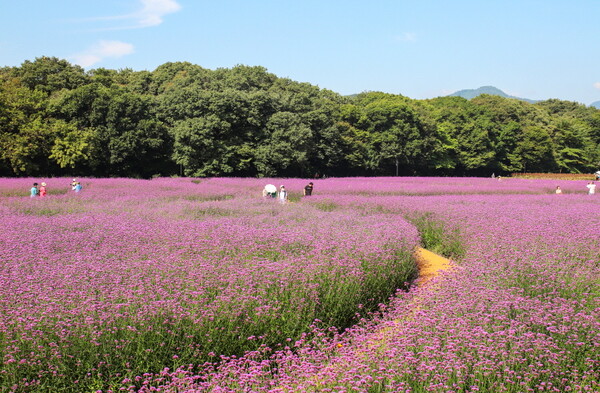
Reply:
x=43, y=190
x=34, y=190
x=269, y=191
x=73, y=184
x=591, y=188
x=283, y=195
x=308, y=189
x=77, y=187
x=558, y=190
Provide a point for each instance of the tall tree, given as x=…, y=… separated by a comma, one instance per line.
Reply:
x=50, y=74
x=200, y=148
x=287, y=147
x=24, y=131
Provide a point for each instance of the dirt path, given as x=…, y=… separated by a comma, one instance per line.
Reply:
x=430, y=265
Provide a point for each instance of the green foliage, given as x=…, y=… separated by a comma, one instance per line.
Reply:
x=27, y=151
x=571, y=141
x=326, y=205
x=286, y=148
x=71, y=146
x=182, y=119
x=50, y=74
x=438, y=236
x=200, y=147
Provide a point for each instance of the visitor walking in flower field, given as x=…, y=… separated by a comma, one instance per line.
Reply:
x=77, y=187
x=283, y=194
x=43, y=190
x=34, y=190
x=73, y=184
x=269, y=191
x=558, y=190
x=308, y=189
x=591, y=188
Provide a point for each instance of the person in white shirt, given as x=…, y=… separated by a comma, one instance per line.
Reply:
x=591, y=188
x=283, y=195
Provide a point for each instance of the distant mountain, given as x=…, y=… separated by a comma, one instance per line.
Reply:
x=494, y=91
x=472, y=93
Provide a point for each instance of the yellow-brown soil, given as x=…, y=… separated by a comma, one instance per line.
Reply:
x=430, y=265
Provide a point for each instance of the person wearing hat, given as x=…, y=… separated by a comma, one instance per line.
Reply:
x=43, y=190
x=269, y=191
x=73, y=184
x=283, y=195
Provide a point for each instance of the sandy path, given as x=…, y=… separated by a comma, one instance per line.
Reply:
x=430, y=266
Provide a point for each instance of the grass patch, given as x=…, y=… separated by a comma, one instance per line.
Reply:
x=438, y=237
x=326, y=205
x=20, y=193
x=294, y=197
x=58, y=191
x=202, y=212
x=208, y=198
x=40, y=211
x=13, y=193
x=199, y=198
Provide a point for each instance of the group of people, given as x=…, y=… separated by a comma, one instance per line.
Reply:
x=270, y=191
x=75, y=185
x=591, y=186
x=40, y=190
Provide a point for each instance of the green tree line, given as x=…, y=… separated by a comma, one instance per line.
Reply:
x=56, y=119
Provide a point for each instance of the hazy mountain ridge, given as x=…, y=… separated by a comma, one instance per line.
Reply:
x=491, y=90
x=472, y=93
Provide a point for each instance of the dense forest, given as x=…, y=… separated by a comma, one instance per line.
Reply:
x=57, y=119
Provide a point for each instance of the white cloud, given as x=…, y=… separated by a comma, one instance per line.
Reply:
x=102, y=50
x=153, y=11
x=149, y=13
x=597, y=85
x=407, y=37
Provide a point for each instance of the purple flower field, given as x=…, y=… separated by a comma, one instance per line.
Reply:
x=188, y=285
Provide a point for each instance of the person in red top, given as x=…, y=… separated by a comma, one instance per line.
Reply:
x=43, y=190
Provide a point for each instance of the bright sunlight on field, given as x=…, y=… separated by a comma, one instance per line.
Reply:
x=204, y=285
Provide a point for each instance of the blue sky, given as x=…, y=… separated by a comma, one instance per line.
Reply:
x=420, y=49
